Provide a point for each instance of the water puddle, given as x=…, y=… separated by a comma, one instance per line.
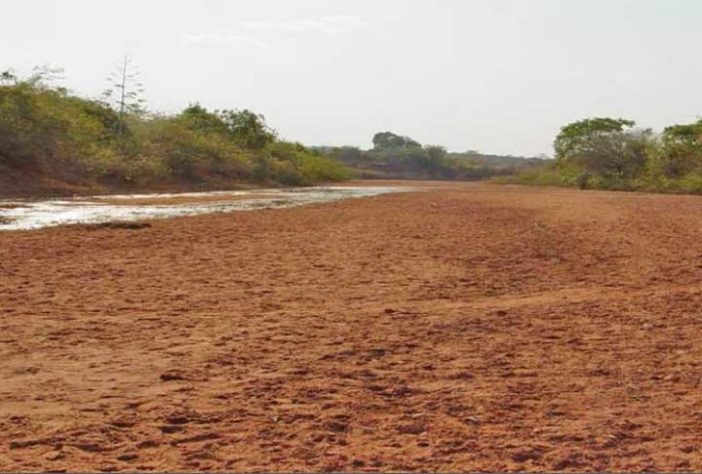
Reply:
x=25, y=215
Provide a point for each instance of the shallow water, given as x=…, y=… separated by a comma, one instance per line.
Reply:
x=25, y=215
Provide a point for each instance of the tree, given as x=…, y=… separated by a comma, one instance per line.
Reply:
x=45, y=77
x=8, y=77
x=681, y=149
x=604, y=146
x=435, y=153
x=391, y=141
x=196, y=117
x=689, y=134
x=41, y=77
x=124, y=93
x=349, y=155
x=248, y=128
x=577, y=135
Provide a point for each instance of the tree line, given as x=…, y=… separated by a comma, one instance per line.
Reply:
x=51, y=135
x=68, y=143
x=400, y=157
x=613, y=153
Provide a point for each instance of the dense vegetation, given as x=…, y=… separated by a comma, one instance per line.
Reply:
x=53, y=141
x=607, y=153
x=399, y=157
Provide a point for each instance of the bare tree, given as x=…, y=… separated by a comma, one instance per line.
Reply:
x=45, y=76
x=125, y=91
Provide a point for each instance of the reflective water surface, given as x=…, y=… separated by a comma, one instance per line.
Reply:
x=25, y=214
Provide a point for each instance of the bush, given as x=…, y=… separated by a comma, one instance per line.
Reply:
x=299, y=165
x=59, y=134
x=610, y=154
x=584, y=180
x=46, y=128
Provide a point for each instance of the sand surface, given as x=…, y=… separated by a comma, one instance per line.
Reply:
x=466, y=327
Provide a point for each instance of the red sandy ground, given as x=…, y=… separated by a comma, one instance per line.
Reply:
x=465, y=327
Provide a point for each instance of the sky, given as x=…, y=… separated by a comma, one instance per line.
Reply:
x=498, y=76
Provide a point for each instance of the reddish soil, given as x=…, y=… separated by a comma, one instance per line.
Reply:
x=466, y=327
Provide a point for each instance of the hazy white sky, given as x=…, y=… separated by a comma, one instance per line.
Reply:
x=495, y=75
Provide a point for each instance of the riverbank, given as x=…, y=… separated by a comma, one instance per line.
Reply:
x=35, y=185
x=55, y=143
x=28, y=184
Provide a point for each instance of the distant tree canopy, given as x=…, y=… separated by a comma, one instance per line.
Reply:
x=435, y=153
x=576, y=137
x=604, y=146
x=681, y=149
x=350, y=155
x=689, y=134
x=399, y=157
x=391, y=141
x=609, y=153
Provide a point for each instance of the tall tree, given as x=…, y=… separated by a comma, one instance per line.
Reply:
x=390, y=141
x=125, y=91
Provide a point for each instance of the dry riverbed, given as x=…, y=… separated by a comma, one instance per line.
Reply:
x=464, y=327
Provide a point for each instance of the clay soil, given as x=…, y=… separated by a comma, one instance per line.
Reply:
x=466, y=327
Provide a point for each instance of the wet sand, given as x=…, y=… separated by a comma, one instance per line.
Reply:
x=106, y=209
x=466, y=327
x=179, y=200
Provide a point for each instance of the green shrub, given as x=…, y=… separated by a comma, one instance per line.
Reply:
x=304, y=166
x=46, y=128
x=605, y=153
x=584, y=180
x=60, y=134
